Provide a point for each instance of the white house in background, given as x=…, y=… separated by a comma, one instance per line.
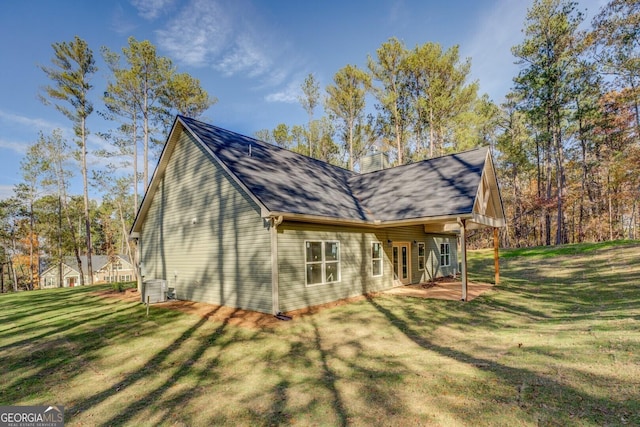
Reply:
x=118, y=269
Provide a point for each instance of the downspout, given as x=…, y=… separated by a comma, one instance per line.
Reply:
x=274, y=222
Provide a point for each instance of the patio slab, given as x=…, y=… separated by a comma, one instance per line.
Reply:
x=446, y=289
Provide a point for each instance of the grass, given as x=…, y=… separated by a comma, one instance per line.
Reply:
x=556, y=344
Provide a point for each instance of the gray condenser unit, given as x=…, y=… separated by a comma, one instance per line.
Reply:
x=154, y=290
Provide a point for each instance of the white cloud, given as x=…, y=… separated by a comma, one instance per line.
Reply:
x=151, y=9
x=231, y=38
x=17, y=147
x=247, y=56
x=289, y=94
x=26, y=122
x=198, y=35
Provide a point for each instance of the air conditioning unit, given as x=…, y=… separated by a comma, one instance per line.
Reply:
x=154, y=291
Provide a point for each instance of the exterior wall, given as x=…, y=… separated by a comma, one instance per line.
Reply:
x=49, y=278
x=108, y=274
x=204, y=235
x=355, y=258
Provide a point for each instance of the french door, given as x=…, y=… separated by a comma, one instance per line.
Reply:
x=401, y=267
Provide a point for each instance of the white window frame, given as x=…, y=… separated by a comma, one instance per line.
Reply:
x=322, y=263
x=380, y=259
x=422, y=257
x=445, y=254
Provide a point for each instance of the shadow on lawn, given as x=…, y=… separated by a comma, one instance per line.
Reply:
x=151, y=366
x=544, y=392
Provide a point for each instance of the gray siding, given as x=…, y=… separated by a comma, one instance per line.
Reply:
x=355, y=257
x=205, y=236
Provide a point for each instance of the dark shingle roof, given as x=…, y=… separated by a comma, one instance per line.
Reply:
x=287, y=182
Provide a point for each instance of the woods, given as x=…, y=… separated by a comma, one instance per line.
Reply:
x=566, y=139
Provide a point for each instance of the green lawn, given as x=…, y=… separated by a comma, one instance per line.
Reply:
x=557, y=343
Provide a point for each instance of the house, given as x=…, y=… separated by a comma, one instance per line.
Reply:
x=119, y=269
x=231, y=220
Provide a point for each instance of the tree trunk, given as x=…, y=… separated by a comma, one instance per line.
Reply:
x=14, y=276
x=135, y=165
x=560, y=184
x=145, y=115
x=60, y=275
x=31, y=227
x=87, y=219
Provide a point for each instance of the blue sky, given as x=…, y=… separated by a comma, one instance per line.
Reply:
x=252, y=55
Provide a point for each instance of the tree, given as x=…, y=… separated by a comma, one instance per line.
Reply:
x=281, y=135
x=616, y=42
x=346, y=101
x=388, y=69
x=546, y=57
x=309, y=100
x=56, y=175
x=9, y=229
x=439, y=92
x=73, y=67
x=147, y=90
x=27, y=191
x=184, y=95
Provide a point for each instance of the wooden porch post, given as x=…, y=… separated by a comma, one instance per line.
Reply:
x=496, y=255
x=463, y=249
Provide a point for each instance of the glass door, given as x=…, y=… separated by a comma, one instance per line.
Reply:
x=401, y=268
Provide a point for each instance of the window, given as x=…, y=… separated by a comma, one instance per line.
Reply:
x=376, y=259
x=421, y=255
x=445, y=255
x=322, y=262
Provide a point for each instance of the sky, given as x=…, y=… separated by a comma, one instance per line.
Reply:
x=252, y=55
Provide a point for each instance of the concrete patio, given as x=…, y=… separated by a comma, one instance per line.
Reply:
x=443, y=289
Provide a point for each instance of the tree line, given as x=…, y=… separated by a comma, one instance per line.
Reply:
x=566, y=138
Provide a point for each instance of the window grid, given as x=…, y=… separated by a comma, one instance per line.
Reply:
x=376, y=259
x=445, y=255
x=322, y=262
x=421, y=255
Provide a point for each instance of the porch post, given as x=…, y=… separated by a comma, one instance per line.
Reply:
x=496, y=255
x=463, y=250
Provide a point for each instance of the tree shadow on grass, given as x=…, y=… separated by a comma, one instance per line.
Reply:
x=185, y=369
x=586, y=407
x=133, y=378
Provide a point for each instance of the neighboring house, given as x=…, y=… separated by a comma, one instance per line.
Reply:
x=116, y=270
x=231, y=220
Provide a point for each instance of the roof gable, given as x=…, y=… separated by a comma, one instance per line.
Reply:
x=431, y=188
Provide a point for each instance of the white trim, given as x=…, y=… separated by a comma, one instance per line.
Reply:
x=446, y=254
x=423, y=256
x=409, y=266
x=381, y=259
x=322, y=263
